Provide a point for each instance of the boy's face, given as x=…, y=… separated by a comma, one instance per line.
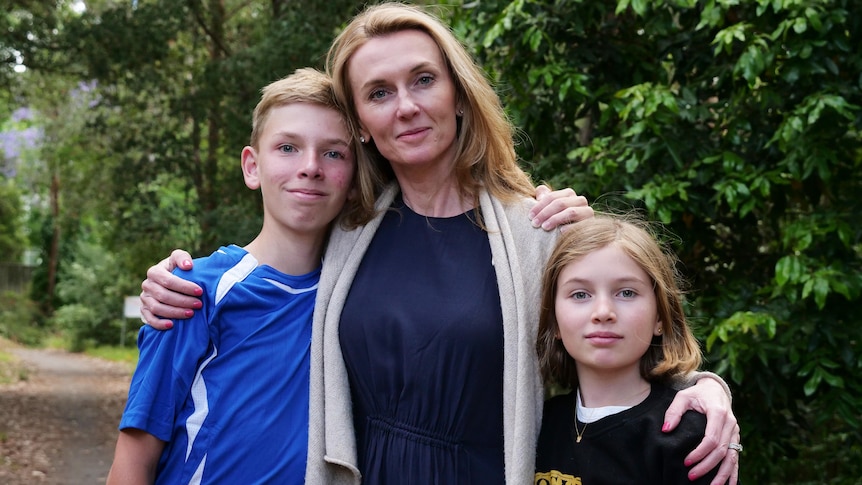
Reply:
x=303, y=166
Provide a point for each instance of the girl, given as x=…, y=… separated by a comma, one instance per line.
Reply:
x=612, y=328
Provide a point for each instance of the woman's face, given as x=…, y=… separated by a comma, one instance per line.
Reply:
x=405, y=99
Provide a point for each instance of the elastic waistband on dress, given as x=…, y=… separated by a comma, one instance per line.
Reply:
x=413, y=433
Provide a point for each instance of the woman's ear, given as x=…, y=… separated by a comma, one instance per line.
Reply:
x=658, y=328
x=250, y=167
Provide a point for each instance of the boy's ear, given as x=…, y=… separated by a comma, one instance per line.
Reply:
x=249, y=161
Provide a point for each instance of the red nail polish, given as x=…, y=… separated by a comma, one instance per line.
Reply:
x=189, y=313
x=169, y=326
x=665, y=427
x=688, y=462
x=197, y=304
x=692, y=476
x=199, y=292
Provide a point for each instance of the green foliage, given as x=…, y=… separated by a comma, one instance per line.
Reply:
x=19, y=319
x=92, y=288
x=127, y=354
x=737, y=124
x=11, y=371
x=79, y=322
x=11, y=235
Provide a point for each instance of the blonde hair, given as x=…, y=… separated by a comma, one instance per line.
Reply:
x=485, y=156
x=674, y=352
x=309, y=86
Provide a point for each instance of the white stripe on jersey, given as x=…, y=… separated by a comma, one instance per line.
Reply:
x=234, y=276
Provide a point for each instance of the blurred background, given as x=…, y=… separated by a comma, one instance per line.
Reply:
x=737, y=124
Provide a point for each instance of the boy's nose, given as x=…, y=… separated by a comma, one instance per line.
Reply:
x=311, y=167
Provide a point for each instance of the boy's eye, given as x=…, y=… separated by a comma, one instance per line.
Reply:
x=287, y=148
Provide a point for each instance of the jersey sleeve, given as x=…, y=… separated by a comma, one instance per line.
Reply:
x=167, y=365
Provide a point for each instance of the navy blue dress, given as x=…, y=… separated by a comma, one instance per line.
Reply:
x=422, y=338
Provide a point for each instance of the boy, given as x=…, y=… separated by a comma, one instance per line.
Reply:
x=224, y=398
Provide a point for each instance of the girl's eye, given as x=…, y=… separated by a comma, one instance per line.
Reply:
x=628, y=293
x=334, y=154
x=580, y=295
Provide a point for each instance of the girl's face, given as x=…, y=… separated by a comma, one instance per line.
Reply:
x=405, y=99
x=606, y=312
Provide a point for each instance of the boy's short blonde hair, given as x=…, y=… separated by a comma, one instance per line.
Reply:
x=305, y=85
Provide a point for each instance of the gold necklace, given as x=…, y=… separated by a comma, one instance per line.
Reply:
x=578, y=433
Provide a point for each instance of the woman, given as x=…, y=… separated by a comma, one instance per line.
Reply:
x=420, y=309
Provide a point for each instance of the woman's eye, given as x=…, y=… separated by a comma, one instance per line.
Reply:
x=426, y=79
x=377, y=94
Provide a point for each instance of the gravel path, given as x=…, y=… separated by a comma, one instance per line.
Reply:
x=59, y=426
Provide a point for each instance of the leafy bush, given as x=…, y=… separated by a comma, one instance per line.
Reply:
x=92, y=288
x=78, y=322
x=739, y=126
x=19, y=319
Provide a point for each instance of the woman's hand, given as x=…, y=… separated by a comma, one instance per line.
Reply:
x=166, y=296
x=559, y=207
x=710, y=398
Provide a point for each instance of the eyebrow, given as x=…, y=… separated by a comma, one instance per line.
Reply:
x=624, y=280
x=421, y=66
x=327, y=141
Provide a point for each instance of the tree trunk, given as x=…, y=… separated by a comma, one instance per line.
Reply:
x=54, y=251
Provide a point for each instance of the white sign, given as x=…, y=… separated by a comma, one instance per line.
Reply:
x=132, y=307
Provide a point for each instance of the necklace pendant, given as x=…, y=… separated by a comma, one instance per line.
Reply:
x=578, y=440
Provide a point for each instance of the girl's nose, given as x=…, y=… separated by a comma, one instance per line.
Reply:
x=604, y=310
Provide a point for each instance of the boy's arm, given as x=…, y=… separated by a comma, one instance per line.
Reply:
x=135, y=458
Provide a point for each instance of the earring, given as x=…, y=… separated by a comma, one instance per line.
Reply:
x=460, y=112
x=659, y=331
x=362, y=139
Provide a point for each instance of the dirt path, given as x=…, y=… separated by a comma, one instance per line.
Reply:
x=58, y=427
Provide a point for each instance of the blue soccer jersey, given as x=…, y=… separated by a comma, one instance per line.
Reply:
x=228, y=389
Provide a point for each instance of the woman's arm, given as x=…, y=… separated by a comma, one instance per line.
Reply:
x=711, y=398
x=557, y=208
x=166, y=296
